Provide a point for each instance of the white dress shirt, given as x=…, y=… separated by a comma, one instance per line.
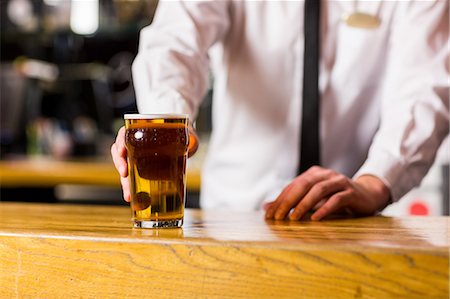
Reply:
x=384, y=91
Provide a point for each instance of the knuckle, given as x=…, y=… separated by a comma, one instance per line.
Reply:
x=342, y=179
x=299, y=209
x=320, y=188
x=351, y=192
x=304, y=182
x=330, y=172
x=315, y=168
x=338, y=198
x=287, y=189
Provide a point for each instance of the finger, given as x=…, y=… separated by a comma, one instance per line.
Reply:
x=301, y=186
x=125, y=189
x=271, y=209
x=119, y=162
x=317, y=193
x=119, y=153
x=301, y=179
x=335, y=203
x=120, y=143
x=267, y=205
x=319, y=204
x=291, y=198
x=193, y=142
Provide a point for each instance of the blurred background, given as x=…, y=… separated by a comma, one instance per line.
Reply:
x=65, y=82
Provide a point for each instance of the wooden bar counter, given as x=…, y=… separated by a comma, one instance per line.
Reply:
x=75, y=251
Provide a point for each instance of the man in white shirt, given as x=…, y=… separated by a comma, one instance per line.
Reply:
x=384, y=96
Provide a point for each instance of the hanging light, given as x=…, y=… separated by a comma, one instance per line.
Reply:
x=84, y=16
x=53, y=2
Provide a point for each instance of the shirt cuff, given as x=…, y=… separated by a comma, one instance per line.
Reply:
x=165, y=101
x=392, y=171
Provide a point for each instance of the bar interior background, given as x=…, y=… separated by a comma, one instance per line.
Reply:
x=66, y=82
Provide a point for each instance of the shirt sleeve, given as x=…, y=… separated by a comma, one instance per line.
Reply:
x=170, y=71
x=415, y=99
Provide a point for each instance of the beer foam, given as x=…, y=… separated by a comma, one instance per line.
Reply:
x=155, y=116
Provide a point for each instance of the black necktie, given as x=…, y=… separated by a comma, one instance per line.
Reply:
x=309, y=141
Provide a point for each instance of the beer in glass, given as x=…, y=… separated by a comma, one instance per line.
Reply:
x=157, y=146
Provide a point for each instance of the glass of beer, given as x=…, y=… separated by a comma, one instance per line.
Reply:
x=157, y=146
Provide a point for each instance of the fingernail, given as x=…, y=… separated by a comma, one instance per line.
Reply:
x=315, y=217
x=293, y=216
x=278, y=216
x=126, y=197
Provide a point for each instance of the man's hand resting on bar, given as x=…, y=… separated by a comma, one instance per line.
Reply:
x=330, y=193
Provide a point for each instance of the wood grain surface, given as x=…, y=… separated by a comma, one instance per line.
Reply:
x=74, y=251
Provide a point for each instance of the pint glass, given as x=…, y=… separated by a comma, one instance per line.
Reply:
x=157, y=146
